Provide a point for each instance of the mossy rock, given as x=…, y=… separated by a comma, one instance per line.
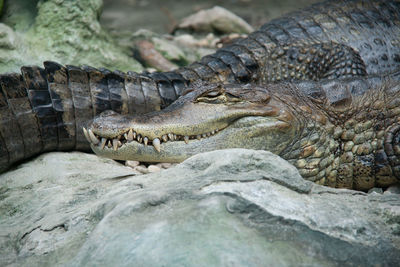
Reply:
x=64, y=31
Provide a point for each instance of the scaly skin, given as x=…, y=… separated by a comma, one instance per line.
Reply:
x=342, y=134
x=44, y=109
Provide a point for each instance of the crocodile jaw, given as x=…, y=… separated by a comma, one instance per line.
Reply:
x=210, y=118
x=260, y=133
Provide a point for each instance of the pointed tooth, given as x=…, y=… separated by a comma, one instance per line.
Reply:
x=171, y=136
x=130, y=136
x=126, y=136
x=139, y=138
x=145, y=140
x=208, y=134
x=174, y=137
x=186, y=139
x=103, y=142
x=119, y=143
x=204, y=135
x=198, y=137
x=115, y=144
x=164, y=138
x=109, y=144
x=85, y=132
x=216, y=130
x=94, y=139
x=156, y=144
x=213, y=132
x=134, y=135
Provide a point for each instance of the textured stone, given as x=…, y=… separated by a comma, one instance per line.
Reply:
x=141, y=169
x=394, y=189
x=153, y=168
x=132, y=163
x=231, y=207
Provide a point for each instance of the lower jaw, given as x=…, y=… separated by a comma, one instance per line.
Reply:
x=176, y=151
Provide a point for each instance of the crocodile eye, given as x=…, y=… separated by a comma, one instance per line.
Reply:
x=214, y=94
x=217, y=97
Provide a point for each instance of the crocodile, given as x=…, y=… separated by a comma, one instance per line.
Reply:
x=341, y=133
x=43, y=109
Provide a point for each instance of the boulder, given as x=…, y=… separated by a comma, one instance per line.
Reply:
x=217, y=20
x=232, y=207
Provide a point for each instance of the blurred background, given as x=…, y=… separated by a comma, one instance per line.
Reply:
x=105, y=33
x=162, y=15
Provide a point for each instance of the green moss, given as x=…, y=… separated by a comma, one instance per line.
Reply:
x=64, y=31
x=19, y=14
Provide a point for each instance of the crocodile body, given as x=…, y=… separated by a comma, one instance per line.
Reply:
x=341, y=133
x=44, y=109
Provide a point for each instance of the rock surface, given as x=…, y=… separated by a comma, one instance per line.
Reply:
x=224, y=208
x=216, y=20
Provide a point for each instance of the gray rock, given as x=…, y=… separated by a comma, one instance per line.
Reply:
x=132, y=163
x=375, y=190
x=170, y=50
x=232, y=207
x=217, y=20
x=394, y=189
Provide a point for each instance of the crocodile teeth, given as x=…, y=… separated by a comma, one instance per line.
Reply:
x=94, y=139
x=198, y=137
x=157, y=144
x=204, y=135
x=171, y=136
x=145, y=140
x=164, y=138
x=115, y=144
x=109, y=144
x=119, y=143
x=134, y=135
x=130, y=136
x=186, y=139
x=126, y=136
x=103, y=143
x=86, y=135
x=208, y=134
x=139, y=138
x=213, y=132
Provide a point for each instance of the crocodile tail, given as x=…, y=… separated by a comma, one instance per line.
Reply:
x=17, y=121
x=44, y=109
x=232, y=64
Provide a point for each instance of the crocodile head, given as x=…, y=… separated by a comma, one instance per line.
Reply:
x=208, y=118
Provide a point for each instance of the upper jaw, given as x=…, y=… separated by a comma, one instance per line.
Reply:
x=184, y=123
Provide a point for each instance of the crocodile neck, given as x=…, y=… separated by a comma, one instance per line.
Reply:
x=353, y=145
